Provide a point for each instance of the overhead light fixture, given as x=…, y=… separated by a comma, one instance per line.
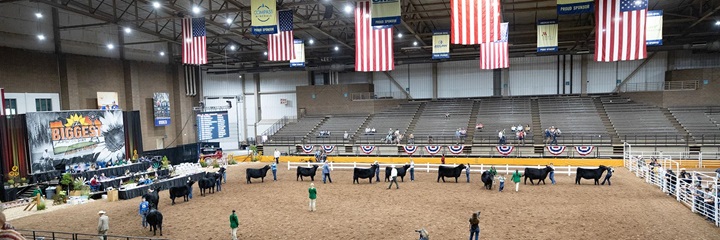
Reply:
x=232, y=47
x=240, y=76
x=110, y=46
x=265, y=53
x=717, y=23
x=156, y=4
x=311, y=41
x=348, y=8
x=337, y=48
x=196, y=9
x=128, y=30
x=229, y=20
x=162, y=53
x=38, y=15
x=399, y=35
x=41, y=37
x=415, y=43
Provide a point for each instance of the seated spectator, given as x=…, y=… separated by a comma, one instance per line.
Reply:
x=411, y=139
x=430, y=139
x=521, y=136
x=390, y=132
x=373, y=130
x=479, y=126
x=94, y=184
x=102, y=177
x=519, y=127
x=527, y=127
x=93, y=167
x=447, y=115
x=513, y=128
x=346, y=135
x=501, y=137
x=367, y=130
x=463, y=132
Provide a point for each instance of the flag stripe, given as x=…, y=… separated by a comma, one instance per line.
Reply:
x=475, y=21
x=496, y=54
x=620, y=33
x=281, y=46
x=194, y=43
x=373, y=46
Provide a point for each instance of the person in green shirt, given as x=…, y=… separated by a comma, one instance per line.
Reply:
x=234, y=225
x=312, y=191
x=37, y=191
x=516, y=179
x=493, y=170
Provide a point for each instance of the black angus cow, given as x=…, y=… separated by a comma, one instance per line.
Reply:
x=444, y=171
x=537, y=173
x=153, y=198
x=401, y=172
x=154, y=218
x=181, y=191
x=585, y=173
x=207, y=182
x=306, y=172
x=487, y=179
x=256, y=173
x=368, y=173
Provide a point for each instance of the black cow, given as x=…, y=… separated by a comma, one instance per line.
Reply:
x=368, y=173
x=207, y=182
x=590, y=174
x=154, y=219
x=153, y=198
x=181, y=191
x=537, y=173
x=487, y=178
x=256, y=173
x=401, y=172
x=307, y=172
x=444, y=171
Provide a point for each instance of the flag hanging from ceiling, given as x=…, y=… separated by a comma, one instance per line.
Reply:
x=299, y=60
x=475, y=21
x=373, y=45
x=547, y=36
x=654, y=28
x=264, y=17
x=574, y=6
x=441, y=45
x=281, y=45
x=194, y=47
x=620, y=30
x=385, y=12
x=2, y=102
x=496, y=54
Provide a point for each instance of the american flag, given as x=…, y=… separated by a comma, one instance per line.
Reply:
x=281, y=46
x=620, y=30
x=373, y=45
x=194, y=47
x=474, y=21
x=496, y=54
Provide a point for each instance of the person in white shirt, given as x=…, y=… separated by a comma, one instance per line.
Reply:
x=277, y=156
x=412, y=170
x=519, y=127
x=393, y=177
x=501, y=138
x=346, y=135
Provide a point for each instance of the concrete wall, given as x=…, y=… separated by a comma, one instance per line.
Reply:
x=23, y=71
x=331, y=99
x=705, y=95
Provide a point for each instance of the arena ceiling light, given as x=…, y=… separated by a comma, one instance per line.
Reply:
x=399, y=35
x=337, y=48
x=229, y=20
x=348, y=8
x=38, y=15
x=717, y=23
x=127, y=30
x=162, y=53
x=41, y=37
x=196, y=9
x=110, y=46
x=311, y=41
x=265, y=53
x=232, y=47
x=415, y=43
x=156, y=5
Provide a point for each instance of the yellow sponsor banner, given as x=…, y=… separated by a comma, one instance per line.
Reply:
x=385, y=12
x=441, y=45
x=299, y=60
x=264, y=17
x=547, y=36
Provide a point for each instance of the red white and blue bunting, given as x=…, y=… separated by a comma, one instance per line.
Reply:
x=584, y=150
x=367, y=149
x=308, y=149
x=328, y=148
x=556, y=150
x=410, y=149
x=505, y=149
x=456, y=149
x=432, y=150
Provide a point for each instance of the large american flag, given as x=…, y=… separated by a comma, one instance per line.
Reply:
x=281, y=46
x=620, y=30
x=194, y=47
x=373, y=45
x=474, y=21
x=496, y=54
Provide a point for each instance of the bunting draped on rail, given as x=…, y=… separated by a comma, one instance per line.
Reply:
x=328, y=148
x=456, y=149
x=432, y=150
x=584, y=150
x=367, y=149
x=556, y=150
x=308, y=149
x=505, y=150
x=410, y=149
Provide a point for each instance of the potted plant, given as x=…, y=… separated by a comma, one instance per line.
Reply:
x=254, y=150
x=66, y=180
x=77, y=186
x=165, y=162
x=60, y=198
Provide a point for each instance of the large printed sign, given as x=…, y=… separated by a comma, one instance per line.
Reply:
x=161, y=109
x=299, y=60
x=441, y=45
x=74, y=137
x=212, y=125
x=107, y=100
x=547, y=36
x=575, y=6
x=653, y=32
x=264, y=17
x=385, y=12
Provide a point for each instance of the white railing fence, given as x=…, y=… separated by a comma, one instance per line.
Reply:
x=427, y=167
x=699, y=192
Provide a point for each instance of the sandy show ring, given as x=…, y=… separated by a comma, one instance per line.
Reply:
x=629, y=209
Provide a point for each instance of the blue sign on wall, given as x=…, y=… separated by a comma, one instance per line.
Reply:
x=212, y=125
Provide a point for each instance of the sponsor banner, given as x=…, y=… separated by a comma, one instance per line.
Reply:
x=575, y=6
x=107, y=101
x=264, y=17
x=299, y=60
x=547, y=36
x=653, y=32
x=441, y=45
x=385, y=12
x=75, y=139
x=161, y=109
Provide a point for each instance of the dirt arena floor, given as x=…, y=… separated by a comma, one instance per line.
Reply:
x=629, y=209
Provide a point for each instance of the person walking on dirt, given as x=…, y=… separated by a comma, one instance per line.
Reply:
x=234, y=223
x=552, y=174
x=312, y=191
x=326, y=172
x=273, y=168
x=608, y=175
x=393, y=177
x=467, y=172
x=501, y=180
x=412, y=170
x=103, y=225
x=377, y=171
x=516, y=179
x=475, y=225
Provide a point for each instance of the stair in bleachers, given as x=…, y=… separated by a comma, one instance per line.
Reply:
x=536, y=125
x=471, y=123
x=677, y=125
x=606, y=121
x=413, y=123
x=360, y=130
x=317, y=126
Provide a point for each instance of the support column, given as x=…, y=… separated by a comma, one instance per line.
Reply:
x=434, y=81
x=583, y=75
x=258, y=109
x=244, y=107
x=130, y=76
x=505, y=82
x=497, y=82
x=68, y=86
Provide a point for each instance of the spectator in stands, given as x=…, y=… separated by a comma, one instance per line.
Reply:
x=276, y=154
x=521, y=137
x=519, y=127
x=103, y=225
x=527, y=127
x=685, y=176
x=373, y=131
x=513, y=128
x=94, y=184
x=312, y=192
x=516, y=179
x=457, y=134
x=501, y=138
x=670, y=180
x=390, y=132
x=467, y=172
x=447, y=114
x=326, y=172
x=608, y=175
x=273, y=168
x=411, y=139
x=377, y=171
x=548, y=135
x=234, y=223
x=346, y=135
x=475, y=225
x=442, y=159
x=8, y=231
x=479, y=126
x=430, y=139
x=93, y=167
x=412, y=170
x=552, y=174
x=367, y=131
x=501, y=180
x=555, y=133
x=103, y=177
x=393, y=177
x=143, y=209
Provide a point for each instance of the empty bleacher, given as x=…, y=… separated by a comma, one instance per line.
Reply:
x=497, y=114
x=576, y=117
x=337, y=125
x=395, y=118
x=295, y=131
x=700, y=122
x=432, y=121
x=640, y=123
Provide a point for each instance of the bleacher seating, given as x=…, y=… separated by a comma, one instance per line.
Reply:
x=498, y=114
x=296, y=131
x=432, y=121
x=396, y=118
x=700, y=122
x=575, y=116
x=337, y=125
x=640, y=123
